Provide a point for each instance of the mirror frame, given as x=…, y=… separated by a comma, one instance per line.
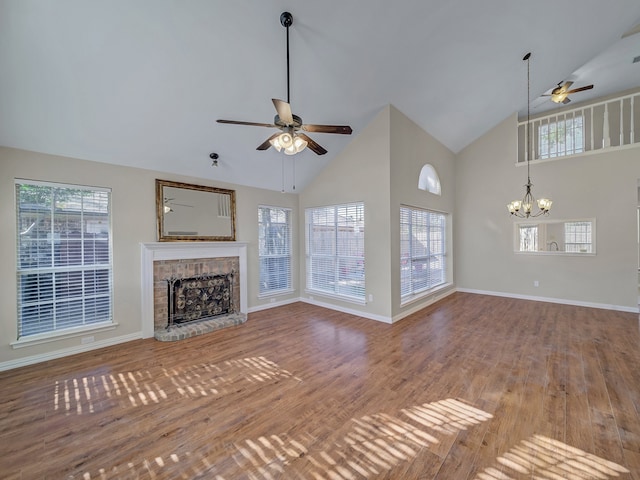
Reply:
x=160, y=184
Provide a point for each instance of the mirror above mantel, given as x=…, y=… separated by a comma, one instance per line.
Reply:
x=187, y=212
x=556, y=237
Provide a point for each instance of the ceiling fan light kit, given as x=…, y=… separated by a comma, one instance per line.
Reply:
x=524, y=208
x=291, y=140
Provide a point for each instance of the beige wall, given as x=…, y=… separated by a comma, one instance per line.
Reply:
x=360, y=173
x=411, y=149
x=601, y=186
x=134, y=221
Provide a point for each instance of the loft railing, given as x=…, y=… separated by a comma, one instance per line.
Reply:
x=610, y=124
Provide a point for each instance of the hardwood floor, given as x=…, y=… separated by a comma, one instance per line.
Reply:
x=473, y=387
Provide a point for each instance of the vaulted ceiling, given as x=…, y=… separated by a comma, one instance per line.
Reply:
x=142, y=83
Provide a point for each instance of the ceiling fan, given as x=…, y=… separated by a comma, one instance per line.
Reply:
x=291, y=138
x=561, y=93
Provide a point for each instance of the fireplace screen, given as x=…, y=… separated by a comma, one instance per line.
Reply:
x=199, y=298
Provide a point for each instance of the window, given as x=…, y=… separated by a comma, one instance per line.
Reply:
x=564, y=137
x=274, y=249
x=64, y=257
x=335, y=250
x=422, y=250
x=528, y=235
x=429, y=180
x=577, y=237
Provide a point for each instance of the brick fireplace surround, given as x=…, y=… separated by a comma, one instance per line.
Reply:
x=188, y=258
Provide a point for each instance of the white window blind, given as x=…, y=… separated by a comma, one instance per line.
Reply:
x=335, y=250
x=422, y=250
x=274, y=249
x=528, y=236
x=577, y=237
x=64, y=257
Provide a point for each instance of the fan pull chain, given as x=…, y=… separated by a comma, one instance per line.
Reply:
x=282, y=156
x=294, y=173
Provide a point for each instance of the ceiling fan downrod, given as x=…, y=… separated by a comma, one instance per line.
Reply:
x=286, y=19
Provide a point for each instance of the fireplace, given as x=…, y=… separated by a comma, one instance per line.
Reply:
x=200, y=267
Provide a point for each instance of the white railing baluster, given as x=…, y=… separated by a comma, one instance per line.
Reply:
x=621, y=122
x=606, y=139
x=632, y=126
x=591, y=121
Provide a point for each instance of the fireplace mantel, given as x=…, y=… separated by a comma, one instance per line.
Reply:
x=150, y=252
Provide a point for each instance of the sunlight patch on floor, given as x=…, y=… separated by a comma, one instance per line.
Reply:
x=544, y=458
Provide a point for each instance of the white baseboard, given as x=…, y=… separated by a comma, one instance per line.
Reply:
x=359, y=313
x=24, y=361
x=277, y=303
x=577, y=303
x=420, y=305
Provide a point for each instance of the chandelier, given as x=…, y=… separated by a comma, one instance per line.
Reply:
x=524, y=208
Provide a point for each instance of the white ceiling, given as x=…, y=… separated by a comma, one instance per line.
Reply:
x=142, y=83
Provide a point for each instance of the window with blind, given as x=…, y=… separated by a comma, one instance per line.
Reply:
x=335, y=250
x=577, y=237
x=274, y=249
x=422, y=250
x=64, y=257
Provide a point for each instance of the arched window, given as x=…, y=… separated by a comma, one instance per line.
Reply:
x=429, y=179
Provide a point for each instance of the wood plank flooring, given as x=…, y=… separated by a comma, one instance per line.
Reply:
x=473, y=387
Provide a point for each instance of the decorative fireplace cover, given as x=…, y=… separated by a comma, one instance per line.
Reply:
x=200, y=298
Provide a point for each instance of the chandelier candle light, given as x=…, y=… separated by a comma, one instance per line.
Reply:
x=524, y=208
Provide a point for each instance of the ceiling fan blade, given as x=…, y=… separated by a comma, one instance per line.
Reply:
x=284, y=110
x=581, y=89
x=253, y=124
x=317, y=149
x=566, y=100
x=342, y=129
x=267, y=143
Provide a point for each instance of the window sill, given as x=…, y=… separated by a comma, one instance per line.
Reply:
x=558, y=253
x=343, y=298
x=427, y=293
x=61, y=335
x=276, y=293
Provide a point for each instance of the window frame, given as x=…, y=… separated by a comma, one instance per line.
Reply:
x=288, y=255
x=551, y=237
x=345, y=272
x=552, y=149
x=81, y=262
x=409, y=287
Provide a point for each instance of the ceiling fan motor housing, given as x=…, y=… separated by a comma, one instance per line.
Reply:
x=297, y=121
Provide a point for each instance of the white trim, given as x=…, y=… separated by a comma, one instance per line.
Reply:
x=432, y=292
x=150, y=252
x=336, y=296
x=57, y=335
x=280, y=303
x=577, y=303
x=276, y=293
x=575, y=155
x=430, y=300
x=21, y=181
x=43, y=357
x=370, y=316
